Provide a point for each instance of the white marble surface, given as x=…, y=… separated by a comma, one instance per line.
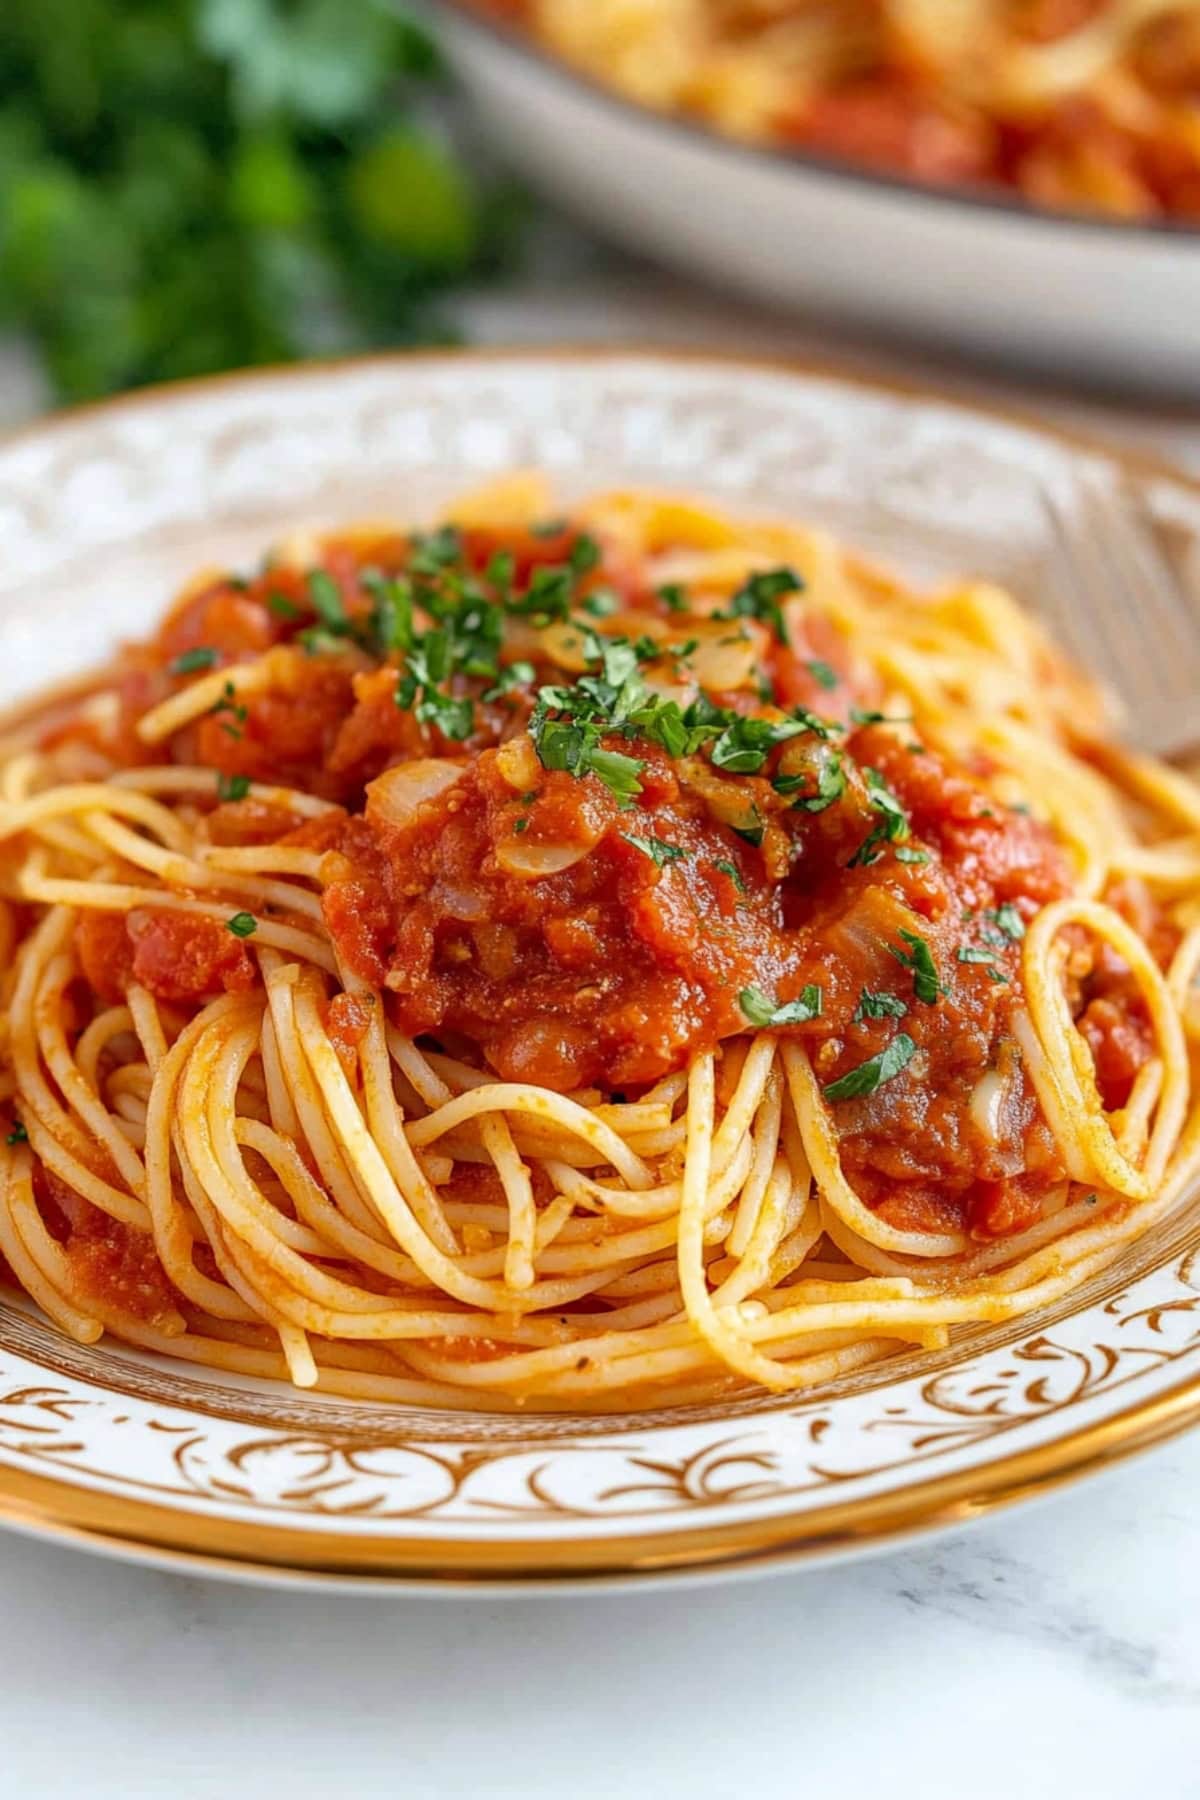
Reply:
x=1055, y=1651
x=1052, y=1651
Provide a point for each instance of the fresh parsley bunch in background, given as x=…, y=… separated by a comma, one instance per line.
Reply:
x=192, y=185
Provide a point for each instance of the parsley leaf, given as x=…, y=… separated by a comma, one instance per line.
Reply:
x=878, y=1006
x=232, y=787
x=868, y=1076
x=656, y=849
x=919, y=959
x=831, y=785
x=859, y=716
x=762, y=1011
x=191, y=661
x=326, y=597
x=517, y=674
x=1007, y=919
x=759, y=597
x=18, y=1135
x=242, y=925
x=733, y=872
x=893, y=826
x=282, y=607
x=823, y=674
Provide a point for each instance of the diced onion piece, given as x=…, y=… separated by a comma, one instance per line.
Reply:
x=533, y=862
x=395, y=797
x=563, y=643
x=725, y=660
x=518, y=764
x=987, y=1106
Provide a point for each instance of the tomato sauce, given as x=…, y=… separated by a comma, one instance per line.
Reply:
x=570, y=932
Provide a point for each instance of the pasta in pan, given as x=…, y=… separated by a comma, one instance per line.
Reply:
x=1081, y=105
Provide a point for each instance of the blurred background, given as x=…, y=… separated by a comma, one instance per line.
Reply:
x=189, y=186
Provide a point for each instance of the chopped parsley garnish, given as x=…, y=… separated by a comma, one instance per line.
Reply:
x=613, y=699
x=548, y=528
x=875, y=1072
x=601, y=603
x=744, y=744
x=878, y=1006
x=282, y=607
x=584, y=554
x=520, y=826
x=434, y=551
x=969, y=953
x=860, y=717
x=228, y=703
x=753, y=830
x=1007, y=919
x=192, y=661
x=18, y=1135
x=242, y=925
x=759, y=597
x=513, y=675
x=831, y=785
x=232, y=787
x=918, y=958
x=733, y=872
x=893, y=825
x=908, y=853
x=822, y=673
x=328, y=604
x=762, y=1011
x=673, y=596
x=659, y=851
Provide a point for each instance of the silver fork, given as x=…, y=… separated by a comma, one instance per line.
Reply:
x=1127, y=610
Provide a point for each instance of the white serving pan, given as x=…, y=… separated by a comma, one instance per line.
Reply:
x=1079, y=296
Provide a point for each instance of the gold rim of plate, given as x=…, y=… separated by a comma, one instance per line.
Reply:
x=198, y=1543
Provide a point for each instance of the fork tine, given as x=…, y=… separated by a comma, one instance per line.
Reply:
x=1123, y=611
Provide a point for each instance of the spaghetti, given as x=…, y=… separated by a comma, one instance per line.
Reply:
x=583, y=963
x=1081, y=105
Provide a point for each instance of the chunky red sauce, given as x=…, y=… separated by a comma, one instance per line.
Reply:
x=662, y=909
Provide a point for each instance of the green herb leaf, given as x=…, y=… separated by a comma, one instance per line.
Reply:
x=868, y=1076
x=762, y=1011
x=656, y=849
x=733, y=872
x=242, y=925
x=326, y=597
x=908, y=853
x=192, y=661
x=584, y=554
x=232, y=787
x=18, y=1135
x=759, y=598
x=878, y=1006
x=860, y=717
x=823, y=674
x=513, y=675
x=282, y=607
x=1007, y=919
x=967, y=953
x=919, y=959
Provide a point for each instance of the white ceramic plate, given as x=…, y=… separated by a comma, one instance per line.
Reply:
x=100, y=513
x=1100, y=298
